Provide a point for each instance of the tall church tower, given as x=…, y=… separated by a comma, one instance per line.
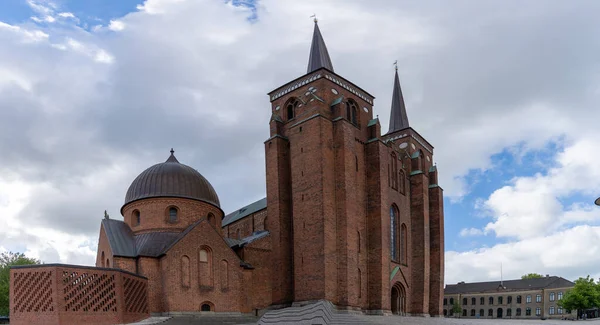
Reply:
x=340, y=210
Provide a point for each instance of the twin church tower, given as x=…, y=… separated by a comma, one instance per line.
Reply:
x=355, y=217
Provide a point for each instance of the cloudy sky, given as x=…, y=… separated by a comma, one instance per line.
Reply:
x=93, y=92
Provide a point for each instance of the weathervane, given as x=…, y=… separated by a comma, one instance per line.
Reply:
x=315, y=17
x=396, y=65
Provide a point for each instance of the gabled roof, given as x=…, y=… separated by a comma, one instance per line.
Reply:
x=124, y=243
x=319, y=57
x=244, y=211
x=398, y=116
x=547, y=282
x=120, y=237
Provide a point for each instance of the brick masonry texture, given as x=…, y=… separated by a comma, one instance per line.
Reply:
x=65, y=294
x=332, y=182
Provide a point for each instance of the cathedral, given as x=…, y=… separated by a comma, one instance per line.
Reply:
x=351, y=215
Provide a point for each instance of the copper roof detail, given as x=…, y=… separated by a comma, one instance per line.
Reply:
x=171, y=179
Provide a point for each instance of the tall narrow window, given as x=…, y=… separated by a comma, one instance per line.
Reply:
x=402, y=180
x=136, y=217
x=185, y=271
x=394, y=172
x=404, y=245
x=205, y=273
x=482, y=301
x=238, y=234
x=172, y=214
x=394, y=232
x=102, y=260
x=473, y=301
x=224, y=275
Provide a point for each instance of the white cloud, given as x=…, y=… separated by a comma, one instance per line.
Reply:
x=569, y=253
x=25, y=35
x=532, y=206
x=66, y=15
x=193, y=75
x=467, y=232
x=116, y=25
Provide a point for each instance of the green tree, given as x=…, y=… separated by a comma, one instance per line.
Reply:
x=531, y=276
x=585, y=294
x=456, y=309
x=6, y=261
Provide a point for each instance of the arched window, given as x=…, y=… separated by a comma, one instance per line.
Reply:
x=472, y=312
x=451, y=301
x=490, y=312
x=508, y=312
x=528, y=311
x=394, y=172
x=464, y=312
x=172, y=214
x=481, y=313
x=394, y=232
x=404, y=245
x=518, y=312
x=205, y=273
x=499, y=300
x=185, y=271
x=224, y=275
x=107, y=262
x=136, y=217
x=551, y=296
x=482, y=302
x=238, y=234
x=207, y=306
x=102, y=260
x=464, y=301
x=352, y=112
x=445, y=301
x=518, y=299
x=473, y=301
x=491, y=300
x=212, y=220
x=445, y=312
x=291, y=106
x=509, y=300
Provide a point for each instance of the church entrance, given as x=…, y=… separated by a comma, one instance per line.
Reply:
x=398, y=299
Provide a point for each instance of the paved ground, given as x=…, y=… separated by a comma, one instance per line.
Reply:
x=391, y=320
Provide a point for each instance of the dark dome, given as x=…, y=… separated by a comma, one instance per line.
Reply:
x=171, y=179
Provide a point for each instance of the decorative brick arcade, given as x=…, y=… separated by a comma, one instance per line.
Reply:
x=66, y=294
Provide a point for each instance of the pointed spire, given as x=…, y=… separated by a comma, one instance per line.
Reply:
x=172, y=157
x=319, y=57
x=398, y=117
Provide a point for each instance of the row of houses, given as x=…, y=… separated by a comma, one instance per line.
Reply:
x=523, y=298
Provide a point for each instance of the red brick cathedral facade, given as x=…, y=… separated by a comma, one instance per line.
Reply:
x=351, y=216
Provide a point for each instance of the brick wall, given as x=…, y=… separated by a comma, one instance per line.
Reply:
x=154, y=214
x=64, y=294
x=217, y=282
